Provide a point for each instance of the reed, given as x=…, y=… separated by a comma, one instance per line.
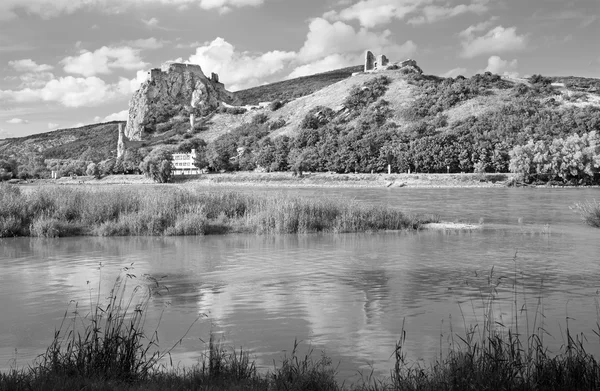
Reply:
x=589, y=211
x=112, y=352
x=69, y=211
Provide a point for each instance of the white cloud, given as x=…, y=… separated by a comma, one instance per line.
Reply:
x=35, y=80
x=103, y=60
x=226, y=5
x=434, y=13
x=239, y=69
x=148, y=43
x=68, y=91
x=52, y=126
x=372, y=13
x=120, y=116
x=502, y=67
x=28, y=65
x=455, y=72
x=53, y=8
x=19, y=121
x=498, y=39
x=325, y=38
x=150, y=23
x=334, y=61
x=126, y=86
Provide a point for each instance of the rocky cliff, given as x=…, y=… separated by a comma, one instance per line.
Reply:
x=175, y=91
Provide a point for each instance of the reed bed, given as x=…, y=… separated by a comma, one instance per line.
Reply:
x=109, y=350
x=589, y=211
x=56, y=211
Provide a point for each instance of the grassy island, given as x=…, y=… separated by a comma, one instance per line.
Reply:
x=56, y=211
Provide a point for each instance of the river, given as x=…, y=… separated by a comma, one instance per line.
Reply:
x=348, y=295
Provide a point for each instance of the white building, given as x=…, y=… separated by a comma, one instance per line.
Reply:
x=183, y=163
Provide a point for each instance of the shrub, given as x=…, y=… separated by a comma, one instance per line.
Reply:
x=589, y=211
x=369, y=92
x=234, y=110
x=158, y=165
x=317, y=117
x=277, y=124
x=260, y=119
x=276, y=105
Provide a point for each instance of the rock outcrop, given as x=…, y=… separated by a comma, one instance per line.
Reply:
x=174, y=90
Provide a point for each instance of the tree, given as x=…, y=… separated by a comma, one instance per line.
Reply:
x=158, y=165
x=93, y=170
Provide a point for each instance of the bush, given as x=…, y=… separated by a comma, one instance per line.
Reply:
x=366, y=94
x=234, y=110
x=276, y=105
x=260, y=119
x=317, y=117
x=277, y=124
x=158, y=165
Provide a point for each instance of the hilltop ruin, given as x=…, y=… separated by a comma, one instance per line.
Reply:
x=174, y=93
x=381, y=62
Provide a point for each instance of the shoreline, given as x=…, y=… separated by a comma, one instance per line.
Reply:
x=287, y=179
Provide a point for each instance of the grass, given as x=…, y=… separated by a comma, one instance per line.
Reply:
x=295, y=88
x=56, y=211
x=589, y=211
x=109, y=350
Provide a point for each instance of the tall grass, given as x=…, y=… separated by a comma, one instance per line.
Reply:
x=589, y=211
x=68, y=211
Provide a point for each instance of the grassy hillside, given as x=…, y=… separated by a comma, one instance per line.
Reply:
x=66, y=143
x=295, y=88
x=338, y=122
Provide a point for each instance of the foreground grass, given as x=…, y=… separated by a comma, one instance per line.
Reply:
x=56, y=211
x=108, y=349
x=589, y=211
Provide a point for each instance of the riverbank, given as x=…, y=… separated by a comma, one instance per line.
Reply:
x=287, y=179
x=58, y=211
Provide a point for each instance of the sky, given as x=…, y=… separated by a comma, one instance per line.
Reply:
x=66, y=63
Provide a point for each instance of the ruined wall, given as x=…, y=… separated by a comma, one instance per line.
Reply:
x=173, y=90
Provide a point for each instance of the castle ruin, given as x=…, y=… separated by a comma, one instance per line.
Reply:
x=381, y=62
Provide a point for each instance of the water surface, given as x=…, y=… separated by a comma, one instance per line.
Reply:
x=348, y=294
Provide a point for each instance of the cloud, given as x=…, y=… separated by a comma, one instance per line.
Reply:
x=498, y=39
x=150, y=23
x=128, y=86
x=226, y=5
x=239, y=69
x=455, y=72
x=373, y=13
x=148, y=43
x=52, y=126
x=68, y=91
x=16, y=121
x=325, y=38
x=103, y=60
x=434, y=13
x=334, y=61
x=53, y=8
x=120, y=116
x=28, y=65
x=35, y=80
x=502, y=67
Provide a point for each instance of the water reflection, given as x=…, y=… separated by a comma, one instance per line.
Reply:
x=346, y=294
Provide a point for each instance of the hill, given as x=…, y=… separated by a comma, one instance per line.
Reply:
x=338, y=122
x=69, y=143
x=295, y=88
